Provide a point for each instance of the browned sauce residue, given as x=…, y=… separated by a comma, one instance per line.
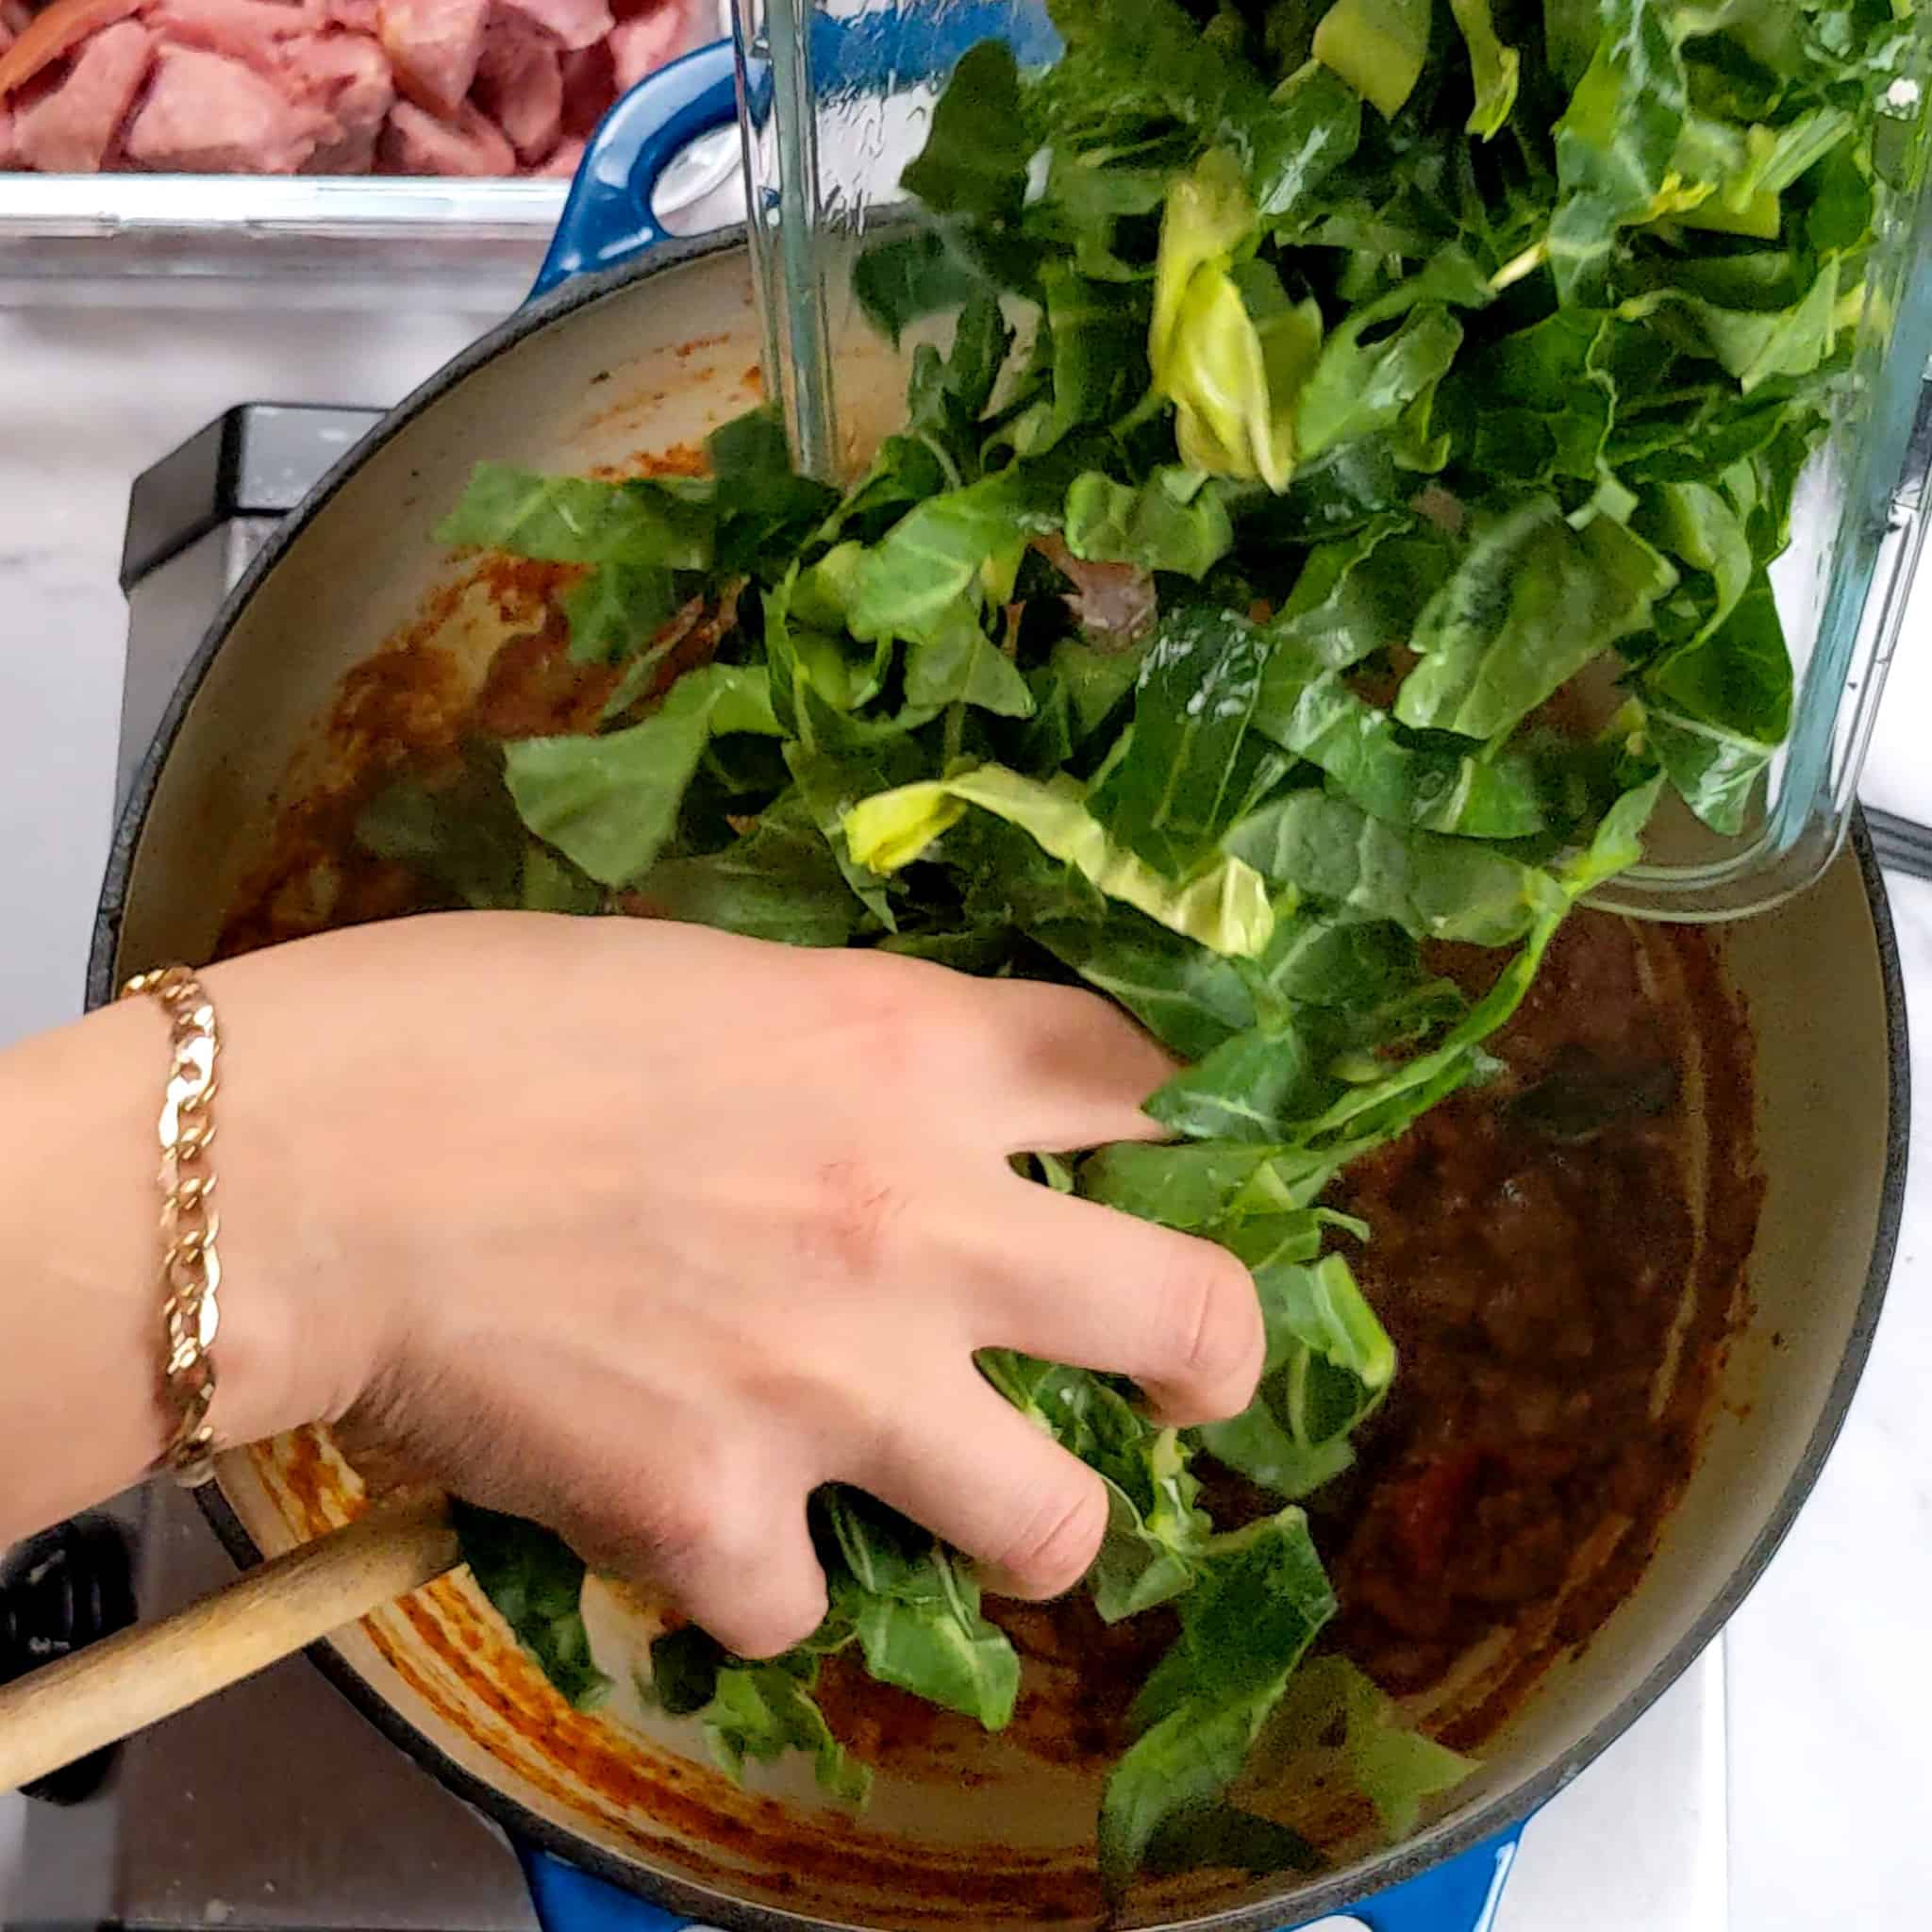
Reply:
x=680, y=459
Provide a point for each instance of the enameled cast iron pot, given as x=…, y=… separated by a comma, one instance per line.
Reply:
x=643, y=344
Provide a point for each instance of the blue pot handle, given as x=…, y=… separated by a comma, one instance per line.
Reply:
x=1459, y=1896
x=568, y=1900
x=608, y=217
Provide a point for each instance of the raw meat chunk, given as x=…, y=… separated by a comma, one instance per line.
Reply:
x=206, y=114
x=589, y=86
x=347, y=78
x=575, y=24
x=250, y=31
x=520, y=85
x=415, y=143
x=71, y=129
x=565, y=157
x=434, y=47
x=642, y=45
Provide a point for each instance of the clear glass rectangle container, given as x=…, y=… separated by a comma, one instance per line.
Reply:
x=860, y=82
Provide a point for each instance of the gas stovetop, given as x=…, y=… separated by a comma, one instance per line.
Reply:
x=274, y=1808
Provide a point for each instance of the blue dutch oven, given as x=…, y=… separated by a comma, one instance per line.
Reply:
x=607, y=349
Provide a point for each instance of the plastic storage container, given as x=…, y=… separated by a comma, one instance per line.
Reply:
x=352, y=241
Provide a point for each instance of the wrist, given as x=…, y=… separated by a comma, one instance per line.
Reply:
x=80, y=1228
x=301, y=1331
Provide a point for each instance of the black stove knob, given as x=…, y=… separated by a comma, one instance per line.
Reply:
x=60, y=1591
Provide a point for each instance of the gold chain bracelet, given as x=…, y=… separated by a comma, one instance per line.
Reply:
x=190, y=1274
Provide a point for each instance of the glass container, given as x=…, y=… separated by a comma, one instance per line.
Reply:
x=838, y=96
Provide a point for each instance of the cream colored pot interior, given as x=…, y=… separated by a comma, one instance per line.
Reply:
x=657, y=363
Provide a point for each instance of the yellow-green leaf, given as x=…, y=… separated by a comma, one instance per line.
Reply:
x=1226, y=908
x=1377, y=46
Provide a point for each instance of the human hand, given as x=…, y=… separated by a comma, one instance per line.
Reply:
x=647, y=1231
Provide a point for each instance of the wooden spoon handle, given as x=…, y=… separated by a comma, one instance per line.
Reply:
x=108, y=1691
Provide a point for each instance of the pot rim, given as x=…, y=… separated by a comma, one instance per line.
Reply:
x=1459, y=1833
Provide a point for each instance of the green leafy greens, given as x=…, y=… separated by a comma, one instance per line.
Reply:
x=1336, y=391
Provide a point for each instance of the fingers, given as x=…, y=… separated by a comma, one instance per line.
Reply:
x=1073, y=1282
x=1061, y=1068
x=689, y=1509
x=977, y=1474
x=738, y=1560
x=1080, y=1062
x=749, y=1574
x=1024, y=1065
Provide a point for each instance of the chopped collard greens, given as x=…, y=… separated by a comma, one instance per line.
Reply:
x=1332, y=387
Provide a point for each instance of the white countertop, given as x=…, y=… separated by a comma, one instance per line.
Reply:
x=1829, y=1692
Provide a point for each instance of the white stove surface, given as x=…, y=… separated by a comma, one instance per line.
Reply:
x=1638, y=1843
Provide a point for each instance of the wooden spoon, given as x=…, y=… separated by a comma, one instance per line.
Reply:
x=56, y=1715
